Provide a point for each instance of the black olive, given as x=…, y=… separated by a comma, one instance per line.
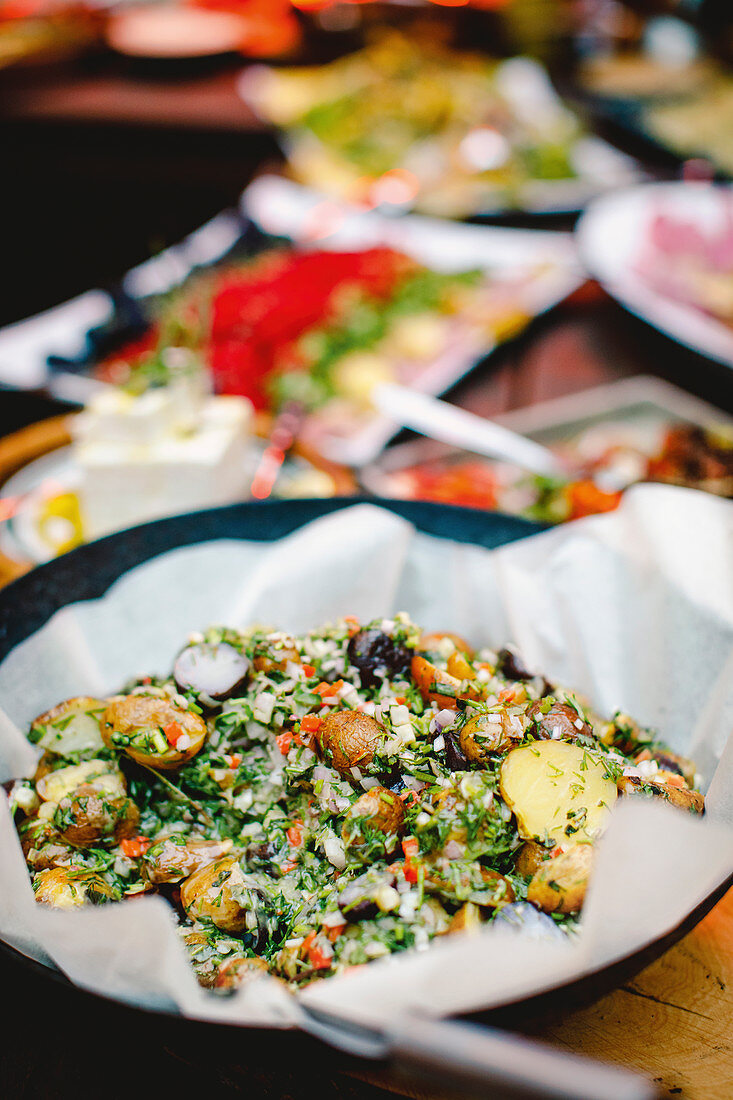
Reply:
x=357, y=901
x=511, y=665
x=455, y=757
x=215, y=672
x=377, y=656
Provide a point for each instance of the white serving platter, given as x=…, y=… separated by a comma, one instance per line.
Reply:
x=611, y=235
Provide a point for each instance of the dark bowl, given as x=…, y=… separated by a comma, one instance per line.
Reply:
x=226, y=1059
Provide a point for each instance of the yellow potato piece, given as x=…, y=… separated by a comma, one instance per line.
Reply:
x=557, y=791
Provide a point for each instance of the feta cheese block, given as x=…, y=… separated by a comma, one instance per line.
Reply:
x=132, y=473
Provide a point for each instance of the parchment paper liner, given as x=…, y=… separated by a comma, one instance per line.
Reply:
x=633, y=609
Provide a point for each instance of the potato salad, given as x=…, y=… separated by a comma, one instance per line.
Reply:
x=310, y=803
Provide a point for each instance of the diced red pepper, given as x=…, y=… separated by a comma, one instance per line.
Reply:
x=410, y=846
x=173, y=733
x=295, y=834
x=334, y=932
x=318, y=957
x=409, y=797
x=309, y=670
x=283, y=742
x=135, y=846
x=233, y=759
x=311, y=723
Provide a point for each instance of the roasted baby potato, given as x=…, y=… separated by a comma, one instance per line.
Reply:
x=468, y=882
x=682, y=797
x=239, y=971
x=70, y=727
x=90, y=815
x=558, y=721
x=276, y=656
x=217, y=893
x=66, y=888
x=348, y=739
x=175, y=858
x=530, y=858
x=557, y=791
x=493, y=732
x=377, y=655
x=467, y=919
x=670, y=762
x=42, y=846
x=55, y=785
x=559, y=884
x=375, y=819
x=153, y=731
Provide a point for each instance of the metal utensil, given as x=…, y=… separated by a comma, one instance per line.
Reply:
x=447, y=423
x=480, y=1061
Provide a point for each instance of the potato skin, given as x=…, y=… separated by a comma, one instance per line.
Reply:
x=559, y=885
x=530, y=858
x=489, y=889
x=89, y=815
x=682, y=797
x=348, y=739
x=132, y=714
x=207, y=894
x=42, y=845
x=277, y=659
x=486, y=734
x=63, y=888
x=377, y=809
x=168, y=861
x=466, y=919
x=238, y=971
x=560, y=721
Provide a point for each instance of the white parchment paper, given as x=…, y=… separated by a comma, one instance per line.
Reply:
x=633, y=609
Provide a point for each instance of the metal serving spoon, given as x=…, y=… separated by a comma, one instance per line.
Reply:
x=474, y=1060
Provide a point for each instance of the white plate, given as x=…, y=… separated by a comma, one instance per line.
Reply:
x=610, y=236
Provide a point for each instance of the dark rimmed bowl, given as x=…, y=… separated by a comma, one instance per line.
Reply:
x=228, y=1059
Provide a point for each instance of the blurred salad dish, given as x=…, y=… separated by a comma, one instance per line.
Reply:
x=413, y=124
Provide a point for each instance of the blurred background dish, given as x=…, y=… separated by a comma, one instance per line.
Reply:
x=324, y=302
x=665, y=251
x=410, y=121
x=638, y=429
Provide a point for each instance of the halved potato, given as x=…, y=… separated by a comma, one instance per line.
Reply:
x=216, y=892
x=70, y=727
x=153, y=731
x=557, y=791
x=67, y=888
x=103, y=774
x=559, y=884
